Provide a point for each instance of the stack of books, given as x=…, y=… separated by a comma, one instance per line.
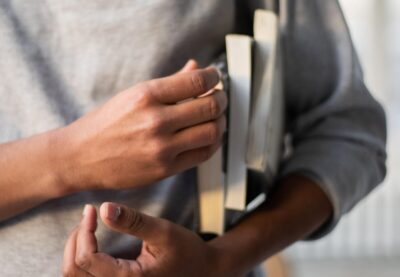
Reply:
x=238, y=177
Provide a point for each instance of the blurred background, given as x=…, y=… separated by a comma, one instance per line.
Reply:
x=367, y=241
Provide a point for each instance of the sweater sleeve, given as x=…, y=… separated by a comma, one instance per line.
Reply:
x=337, y=129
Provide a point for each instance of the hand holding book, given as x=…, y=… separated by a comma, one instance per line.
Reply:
x=255, y=128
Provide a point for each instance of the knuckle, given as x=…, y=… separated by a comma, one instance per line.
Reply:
x=135, y=221
x=83, y=261
x=156, y=122
x=199, y=82
x=160, y=151
x=143, y=93
x=213, y=132
x=214, y=107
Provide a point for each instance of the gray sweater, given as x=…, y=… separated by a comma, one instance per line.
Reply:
x=59, y=59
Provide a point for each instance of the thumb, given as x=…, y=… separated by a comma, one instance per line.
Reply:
x=125, y=220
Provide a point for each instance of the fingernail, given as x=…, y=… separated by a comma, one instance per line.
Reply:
x=217, y=73
x=113, y=212
x=85, y=209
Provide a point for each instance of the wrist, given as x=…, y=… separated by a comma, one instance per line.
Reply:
x=226, y=260
x=62, y=161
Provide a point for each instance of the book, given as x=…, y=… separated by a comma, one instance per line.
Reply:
x=265, y=132
x=239, y=60
x=211, y=189
x=267, y=116
x=238, y=177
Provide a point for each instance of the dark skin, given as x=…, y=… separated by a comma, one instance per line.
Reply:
x=98, y=151
x=170, y=250
x=141, y=135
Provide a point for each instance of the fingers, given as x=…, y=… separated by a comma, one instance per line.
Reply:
x=125, y=220
x=86, y=240
x=179, y=87
x=194, y=157
x=86, y=259
x=198, y=110
x=70, y=269
x=201, y=135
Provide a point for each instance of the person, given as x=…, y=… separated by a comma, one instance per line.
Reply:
x=86, y=116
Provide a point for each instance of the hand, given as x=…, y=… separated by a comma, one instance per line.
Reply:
x=168, y=249
x=146, y=133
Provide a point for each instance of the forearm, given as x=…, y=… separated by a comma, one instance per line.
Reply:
x=296, y=209
x=30, y=172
